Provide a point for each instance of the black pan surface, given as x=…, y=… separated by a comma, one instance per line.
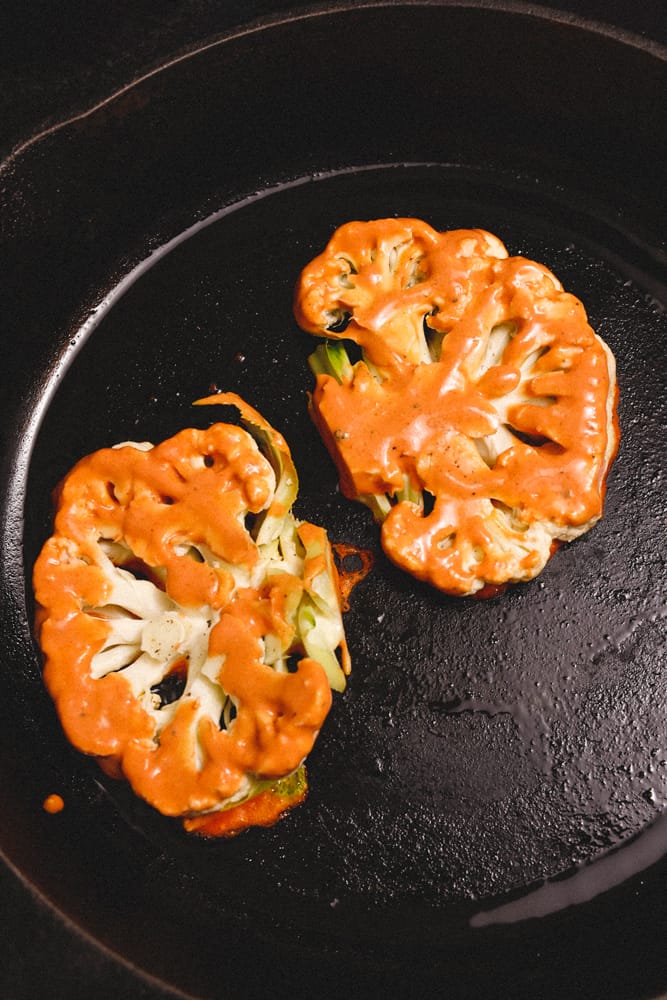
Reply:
x=486, y=814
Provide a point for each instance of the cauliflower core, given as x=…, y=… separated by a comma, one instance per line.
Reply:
x=479, y=425
x=174, y=596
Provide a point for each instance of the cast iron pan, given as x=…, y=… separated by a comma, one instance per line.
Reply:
x=486, y=807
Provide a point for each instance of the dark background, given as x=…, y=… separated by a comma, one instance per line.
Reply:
x=56, y=60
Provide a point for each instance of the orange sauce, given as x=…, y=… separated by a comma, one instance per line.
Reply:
x=53, y=804
x=353, y=565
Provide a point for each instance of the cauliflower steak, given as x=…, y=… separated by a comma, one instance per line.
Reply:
x=479, y=424
x=190, y=625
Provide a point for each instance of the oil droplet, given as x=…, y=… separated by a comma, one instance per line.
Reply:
x=53, y=804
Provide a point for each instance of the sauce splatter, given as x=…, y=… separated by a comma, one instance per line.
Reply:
x=353, y=565
x=53, y=804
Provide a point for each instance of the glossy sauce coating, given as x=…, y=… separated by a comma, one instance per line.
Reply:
x=482, y=385
x=178, y=511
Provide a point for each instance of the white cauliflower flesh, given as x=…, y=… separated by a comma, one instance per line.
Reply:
x=191, y=626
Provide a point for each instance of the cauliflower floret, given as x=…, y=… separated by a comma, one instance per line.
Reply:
x=480, y=424
x=376, y=281
x=174, y=595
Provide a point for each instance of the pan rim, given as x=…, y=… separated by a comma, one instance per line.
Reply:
x=537, y=11
x=505, y=6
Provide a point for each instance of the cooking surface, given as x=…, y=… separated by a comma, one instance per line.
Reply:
x=469, y=713
x=480, y=747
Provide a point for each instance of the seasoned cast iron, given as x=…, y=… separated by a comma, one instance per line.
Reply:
x=151, y=248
